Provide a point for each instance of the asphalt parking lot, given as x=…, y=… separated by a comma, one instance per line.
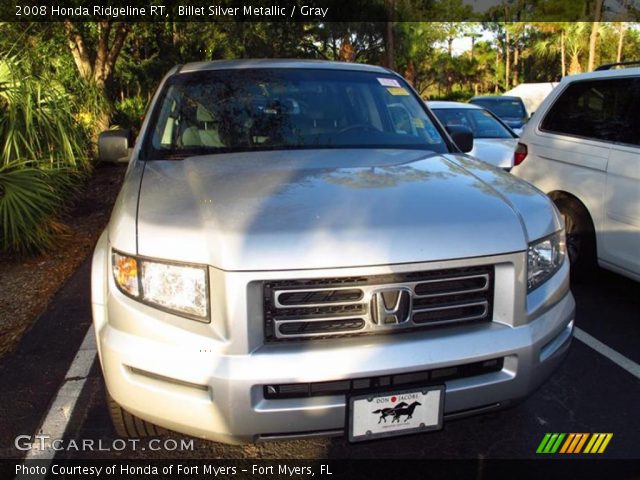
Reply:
x=588, y=393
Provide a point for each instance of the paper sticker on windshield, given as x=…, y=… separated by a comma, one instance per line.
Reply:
x=388, y=82
x=397, y=91
x=418, y=123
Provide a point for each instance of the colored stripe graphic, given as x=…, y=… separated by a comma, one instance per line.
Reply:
x=576, y=438
x=555, y=447
x=608, y=438
x=581, y=442
x=594, y=437
x=598, y=442
x=543, y=443
x=573, y=443
x=567, y=443
x=550, y=443
x=596, y=446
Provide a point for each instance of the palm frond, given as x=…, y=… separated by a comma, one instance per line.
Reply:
x=30, y=200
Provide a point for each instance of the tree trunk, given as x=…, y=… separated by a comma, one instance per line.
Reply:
x=389, y=47
x=334, y=48
x=507, y=60
x=498, y=59
x=175, y=36
x=563, y=54
x=593, y=38
x=103, y=121
x=78, y=49
x=346, y=52
x=515, y=66
x=99, y=70
x=410, y=74
x=620, y=42
x=574, y=66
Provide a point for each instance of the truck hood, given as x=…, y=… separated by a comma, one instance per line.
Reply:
x=306, y=209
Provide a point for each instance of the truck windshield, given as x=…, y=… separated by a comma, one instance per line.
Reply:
x=265, y=109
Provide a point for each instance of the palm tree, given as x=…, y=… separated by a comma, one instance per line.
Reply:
x=575, y=40
x=553, y=43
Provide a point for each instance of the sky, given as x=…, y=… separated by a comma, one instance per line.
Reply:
x=461, y=45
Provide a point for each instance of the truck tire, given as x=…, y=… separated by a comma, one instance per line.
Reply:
x=581, y=240
x=127, y=425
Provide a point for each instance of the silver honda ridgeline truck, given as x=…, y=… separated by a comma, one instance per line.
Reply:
x=300, y=248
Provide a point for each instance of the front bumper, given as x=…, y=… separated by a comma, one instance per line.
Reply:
x=207, y=380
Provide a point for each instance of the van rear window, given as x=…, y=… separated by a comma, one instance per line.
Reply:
x=598, y=109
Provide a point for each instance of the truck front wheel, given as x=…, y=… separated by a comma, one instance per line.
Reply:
x=127, y=425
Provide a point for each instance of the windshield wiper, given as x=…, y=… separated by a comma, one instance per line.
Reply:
x=182, y=154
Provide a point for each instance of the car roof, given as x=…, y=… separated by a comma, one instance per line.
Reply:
x=619, y=72
x=280, y=63
x=496, y=97
x=445, y=104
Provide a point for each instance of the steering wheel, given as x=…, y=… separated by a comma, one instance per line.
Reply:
x=364, y=127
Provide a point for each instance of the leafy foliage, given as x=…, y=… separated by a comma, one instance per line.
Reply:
x=30, y=198
x=42, y=156
x=129, y=112
x=38, y=123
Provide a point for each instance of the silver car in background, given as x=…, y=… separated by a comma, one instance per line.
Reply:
x=493, y=141
x=300, y=249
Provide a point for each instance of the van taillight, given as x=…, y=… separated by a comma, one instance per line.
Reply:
x=520, y=154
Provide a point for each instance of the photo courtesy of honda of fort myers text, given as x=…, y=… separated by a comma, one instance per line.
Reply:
x=318, y=239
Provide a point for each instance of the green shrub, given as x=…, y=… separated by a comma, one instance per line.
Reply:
x=31, y=197
x=38, y=122
x=42, y=156
x=129, y=113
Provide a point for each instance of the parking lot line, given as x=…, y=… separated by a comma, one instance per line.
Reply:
x=623, y=362
x=61, y=410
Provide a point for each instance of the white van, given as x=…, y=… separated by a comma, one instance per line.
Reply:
x=582, y=148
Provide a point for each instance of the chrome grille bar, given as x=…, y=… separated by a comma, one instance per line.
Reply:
x=484, y=286
x=281, y=293
x=301, y=309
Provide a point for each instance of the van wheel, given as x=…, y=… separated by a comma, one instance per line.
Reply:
x=581, y=241
x=130, y=426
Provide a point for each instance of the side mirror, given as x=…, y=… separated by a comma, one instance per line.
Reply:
x=462, y=136
x=113, y=146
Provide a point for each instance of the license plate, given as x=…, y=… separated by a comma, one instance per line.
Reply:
x=395, y=413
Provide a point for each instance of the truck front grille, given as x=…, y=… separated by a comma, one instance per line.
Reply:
x=328, y=307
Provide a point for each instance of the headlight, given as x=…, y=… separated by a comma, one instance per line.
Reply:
x=177, y=288
x=544, y=258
